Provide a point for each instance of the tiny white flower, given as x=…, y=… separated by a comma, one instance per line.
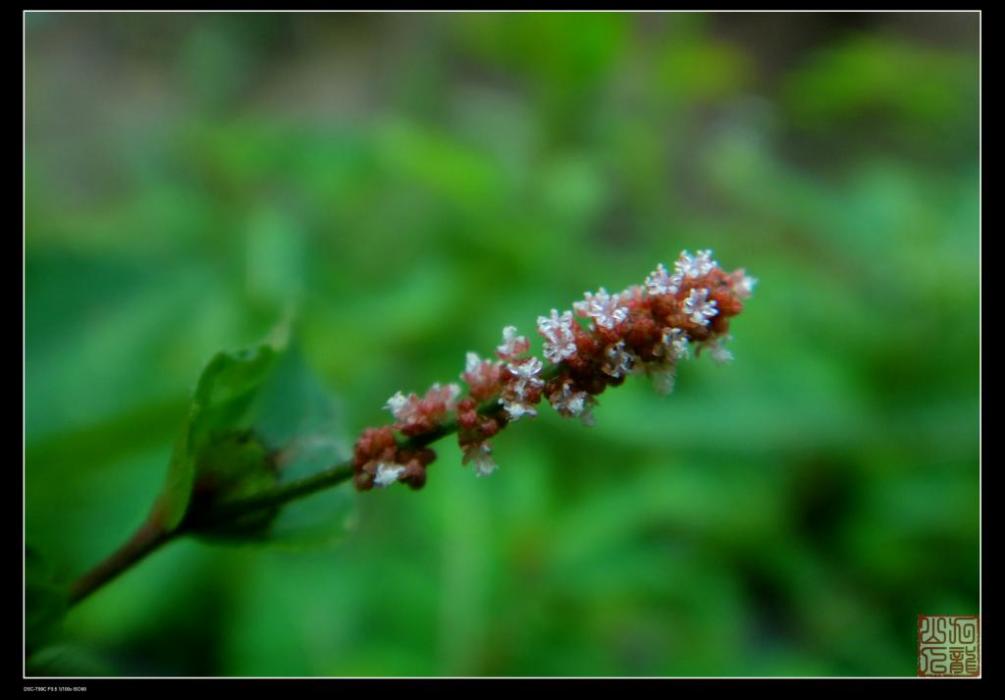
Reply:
x=698, y=307
x=396, y=402
x=620, y=361
x=634, y=293
x=557, y=331
x=663, y=378
x=472, y=363
x=745, y=287
x=481, y=375
x=480, y=456
x=568, y=402
x=448, y=394
x=573, y=403
x=526, y=371
x=684, y=266
x=387, y=474
x=704, y=263
x=608, y=311
x=513, y=344
x=720, y=355
x=402, y=407
x=674, y=344
x=661, y=282
x=516, y=409
x=701, y=264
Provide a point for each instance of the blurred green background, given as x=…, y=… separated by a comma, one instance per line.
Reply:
x=410, y=183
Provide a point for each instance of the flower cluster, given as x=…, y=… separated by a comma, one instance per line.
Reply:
x=416, y=416
x=646, y=329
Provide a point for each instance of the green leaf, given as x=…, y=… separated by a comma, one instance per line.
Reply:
x=46, y=601
x=259, y=418
x=299, y=422
x=234, y=465
x=324, y=517
x=221, y=411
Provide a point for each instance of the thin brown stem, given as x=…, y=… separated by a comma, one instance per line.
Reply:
x=278, y=496
x=151, y=534
x=145, y=540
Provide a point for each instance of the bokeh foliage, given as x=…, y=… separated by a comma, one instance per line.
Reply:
x=408, y=184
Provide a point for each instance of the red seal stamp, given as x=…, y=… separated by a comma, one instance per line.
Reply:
x=949, y=645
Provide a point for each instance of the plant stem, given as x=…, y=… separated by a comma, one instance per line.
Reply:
x=151, y=534
x=295, y=490
x=145, y=540
x=280, y=495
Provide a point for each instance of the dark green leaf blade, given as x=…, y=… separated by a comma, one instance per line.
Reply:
x=259, y=419
x=300, y=422
x=223, y=405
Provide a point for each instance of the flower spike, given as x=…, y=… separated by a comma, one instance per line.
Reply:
x=647, y=328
